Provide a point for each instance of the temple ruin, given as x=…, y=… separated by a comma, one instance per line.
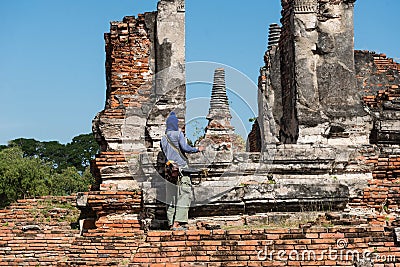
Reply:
x=316, y=136
x=312, y=123
x=325, y=148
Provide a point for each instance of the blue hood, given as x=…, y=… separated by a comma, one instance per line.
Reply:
x=172, y=122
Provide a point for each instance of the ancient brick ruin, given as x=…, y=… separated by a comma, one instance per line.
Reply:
x=322, y=170
x=142, y=54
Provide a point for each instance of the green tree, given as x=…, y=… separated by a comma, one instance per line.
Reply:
x=77, y=153
x=51, y=151
x=81, y=151
x=69, y=181
x=30, y=147
x=22, y=177
x=30, y=168
x=55, y=153
x=26, y=177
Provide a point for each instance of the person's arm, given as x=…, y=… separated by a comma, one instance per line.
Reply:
x=184, y=145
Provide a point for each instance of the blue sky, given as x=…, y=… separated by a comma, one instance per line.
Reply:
x=52, y=80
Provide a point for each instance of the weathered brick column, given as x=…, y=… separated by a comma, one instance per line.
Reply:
x=145, y=74
x=129, y=70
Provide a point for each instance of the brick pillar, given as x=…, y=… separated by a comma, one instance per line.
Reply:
x=129, y=70
x=145, y=73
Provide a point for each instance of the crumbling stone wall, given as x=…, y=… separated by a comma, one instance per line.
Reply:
x=317, y=69
x=129, y=70
x=169, y=91
x=323, y=33
x=307, y=74
x=269, y=91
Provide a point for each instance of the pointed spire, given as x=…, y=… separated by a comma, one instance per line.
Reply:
x=219, y=130
x=274, y=35
x=219, y=105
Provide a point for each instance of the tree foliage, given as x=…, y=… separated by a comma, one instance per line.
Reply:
x=77, y=153
x=70, y=181
x=22, y=177
x=30, y=168
x=81, y=151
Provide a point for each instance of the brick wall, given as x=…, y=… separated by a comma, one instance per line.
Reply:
x=377, y=77
x=383, y=192
x=45, y=239
x=37, y=232
x=248, y=247
x=113, y=235
x=55, y=243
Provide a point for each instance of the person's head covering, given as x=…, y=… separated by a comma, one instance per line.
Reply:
x=172, y=122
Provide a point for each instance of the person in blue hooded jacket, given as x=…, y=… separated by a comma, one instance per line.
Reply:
x=178, y=197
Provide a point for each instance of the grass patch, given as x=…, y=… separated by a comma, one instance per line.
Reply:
x=48, y=210
x=292, y=221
